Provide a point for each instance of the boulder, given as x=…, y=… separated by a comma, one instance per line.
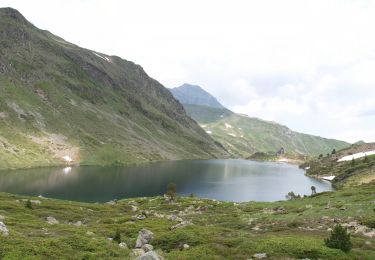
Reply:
x=123, y=245
x=52, y=220
x=149, y=256
x=2, y=217
x=185, y=247
x=3, y=229
x=144, y=237
x=147, y=247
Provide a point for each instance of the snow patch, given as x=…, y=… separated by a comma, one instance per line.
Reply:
x=328, y=178
x=228, y=125
x=231, y=134
x=67, y=158
x=103, y=57
x=356, y=156
x=307, y=168
x=209, y=132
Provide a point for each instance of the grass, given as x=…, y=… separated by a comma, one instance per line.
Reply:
x=220, y=230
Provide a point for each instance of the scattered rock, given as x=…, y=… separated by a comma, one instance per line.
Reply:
x=139, y=217
x=328, y=206
x=89, y=233
x=134, y=208
x=110, y=238
x=174, y=218
x=144, y=237
x=78, y=223
x=52, y=220
x=147, y=247
x=181, y=225
x=138, y=252
x=36, y=201
x=123, y=245
x=309, y=206
x=260, y=255
x=3, y=229
x=343, y=208
x=111, y=202
x=149, y=256
x=185, y=246
x=2, y=217
x=280, y=210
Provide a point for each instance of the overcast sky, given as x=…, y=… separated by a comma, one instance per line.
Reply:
x=307, y=64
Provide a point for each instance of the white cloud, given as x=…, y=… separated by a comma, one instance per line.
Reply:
x=306, y=64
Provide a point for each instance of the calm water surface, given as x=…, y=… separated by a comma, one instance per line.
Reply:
x=229, y=180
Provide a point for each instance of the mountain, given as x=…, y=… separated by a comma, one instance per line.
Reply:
x=60, y=102
x=243, y=136
x=195, y=95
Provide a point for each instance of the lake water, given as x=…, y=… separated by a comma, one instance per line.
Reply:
x=229, y=180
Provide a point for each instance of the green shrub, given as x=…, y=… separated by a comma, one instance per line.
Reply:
x=339, y=239
x=171, y=190
x=28, y=204
x=117, y=237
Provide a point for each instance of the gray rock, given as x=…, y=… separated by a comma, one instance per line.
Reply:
x=147, y=247
x=78, y=223
x=149, y=256
x=123, y=245
x=2, y=217
x=89, y=233
x=185, y=246
x=52, y=220
x=260, y=255
x=3, y=229
x=144, y=237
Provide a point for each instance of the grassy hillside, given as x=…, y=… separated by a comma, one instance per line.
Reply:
x=242, y=135
x=58, y=99
x=348, y=173
x=293, y=229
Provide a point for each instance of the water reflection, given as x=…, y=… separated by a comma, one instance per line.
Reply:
x=231, y=180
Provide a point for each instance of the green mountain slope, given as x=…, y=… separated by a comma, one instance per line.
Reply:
x=59, y=100
x=243, y=136
x=347, y=173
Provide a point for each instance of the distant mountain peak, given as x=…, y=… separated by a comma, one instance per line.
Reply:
x=195, y=95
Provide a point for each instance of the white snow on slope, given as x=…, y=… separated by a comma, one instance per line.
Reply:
x=209, y=132
x=103, y=57
x=356, y=156
x=232, y=134
x=328, y=178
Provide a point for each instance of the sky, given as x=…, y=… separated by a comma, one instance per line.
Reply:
x=309, y=65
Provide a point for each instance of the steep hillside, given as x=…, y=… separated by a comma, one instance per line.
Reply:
x=195, y=95
x=242, y=135
x=62, y=101
x=345, y=170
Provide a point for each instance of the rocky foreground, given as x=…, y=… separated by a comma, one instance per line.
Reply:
x=188, y=228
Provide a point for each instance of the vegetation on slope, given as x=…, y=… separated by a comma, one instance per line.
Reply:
x=242, y=135
x=348, y=173
x=293, y=229
x=58, y=99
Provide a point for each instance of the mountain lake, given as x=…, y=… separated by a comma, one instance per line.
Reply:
x=228, y=180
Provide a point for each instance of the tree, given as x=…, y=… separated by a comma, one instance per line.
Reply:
x=353, y=162
x=339, y=239
x=333, y=151
x=28, y=204
x=291, y=196
x=171, y=190
x=313, y=190
x=320, y=156
x=366, y=159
